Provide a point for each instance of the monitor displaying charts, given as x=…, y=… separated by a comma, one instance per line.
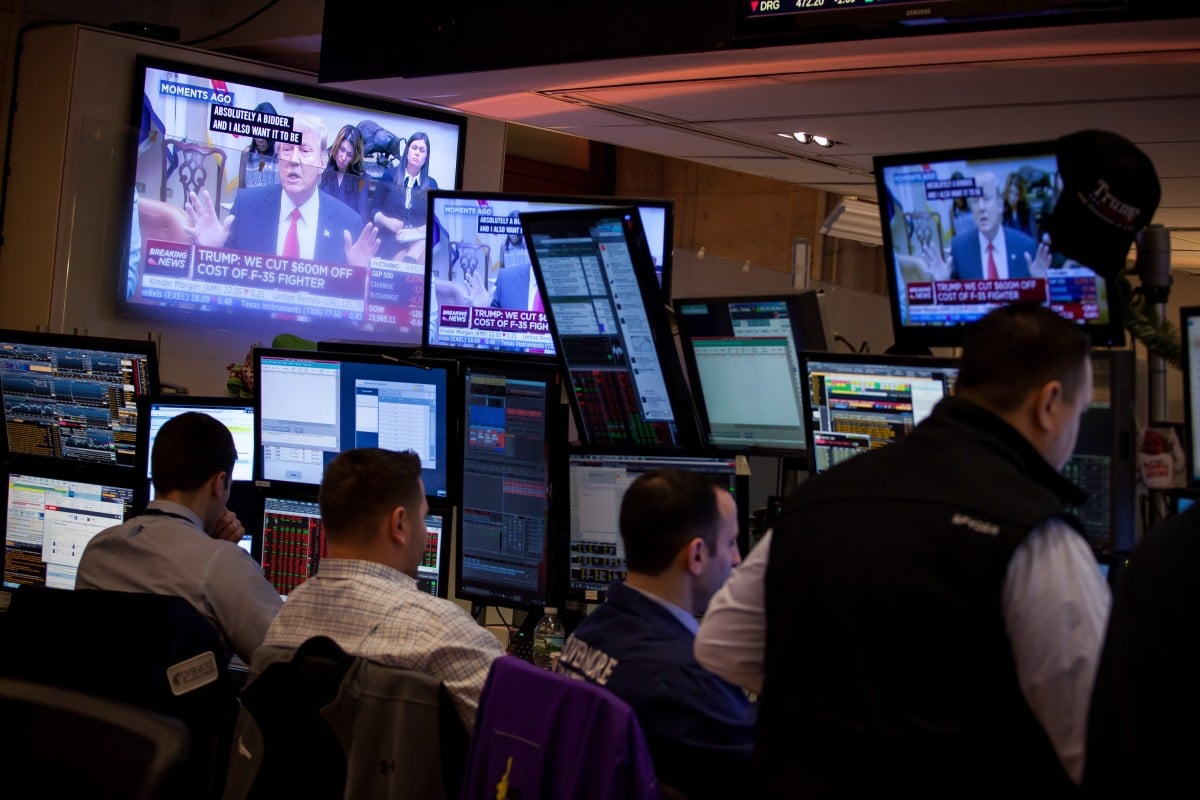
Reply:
x=597, y=279
x=50, y=517
x=856, y=402
x=74, y=398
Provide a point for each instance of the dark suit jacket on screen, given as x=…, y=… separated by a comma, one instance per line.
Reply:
x=968, y=260
x=256, y=224
x=512, y=287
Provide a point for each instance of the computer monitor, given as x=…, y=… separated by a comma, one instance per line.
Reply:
x=433, y=573
x=1104, y=463
x=512, y=427
x=74, y=397
x=597, y=480
x=479, y=290
x=50, y=515
x=236, y=414
x=855, y=402
x=293, y=538
x=1189, y=325
x=743, y=357
x=310, y=406
x=597, y=280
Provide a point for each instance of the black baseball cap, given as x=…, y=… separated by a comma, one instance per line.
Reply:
x=1109, y=192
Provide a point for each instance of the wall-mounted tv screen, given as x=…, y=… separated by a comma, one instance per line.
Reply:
x=74, y=397
x=595, y=273
x=732, y=343
x=480, y=290
x=249, y=202
x=964, y=232
x=313, y=405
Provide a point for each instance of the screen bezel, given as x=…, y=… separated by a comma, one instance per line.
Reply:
x=555, y=438
x=1191, y=400
x=804, y=316
x=453, y=409
x=683, y=408
x=143, y=348
x=1109, y=334
x=932, y=362
x=314, y=92
x=742, y=487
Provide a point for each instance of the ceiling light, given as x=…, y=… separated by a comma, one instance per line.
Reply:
x=811, y=138
x=855, y=219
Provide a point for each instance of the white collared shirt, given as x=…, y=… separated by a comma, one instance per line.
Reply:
x=306, y=226
x=999, y=252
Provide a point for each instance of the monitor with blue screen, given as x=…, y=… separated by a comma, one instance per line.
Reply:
x=310, y=406
x=74, y=398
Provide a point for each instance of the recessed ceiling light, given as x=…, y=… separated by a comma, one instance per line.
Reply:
x=803, y=137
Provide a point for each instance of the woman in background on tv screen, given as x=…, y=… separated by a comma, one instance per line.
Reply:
x=401, y=202
x=343, y=177
x=259, y=167
x=1017, y=214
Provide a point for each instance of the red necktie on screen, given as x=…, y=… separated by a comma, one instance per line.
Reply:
x=291, y=242
x=992, y=274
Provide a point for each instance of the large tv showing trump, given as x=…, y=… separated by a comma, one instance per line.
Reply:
x=964, y=231
x=266, y=206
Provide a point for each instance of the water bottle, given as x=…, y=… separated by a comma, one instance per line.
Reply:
x=548, y=639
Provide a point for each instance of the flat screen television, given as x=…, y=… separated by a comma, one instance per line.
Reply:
x=245, y=147
x=743, y=359
x=513, y=430
x=480, y=290
x=1189, y=326
x=596, y=276
x=941, y=212
x=310, y=406
x=74, y=398
x=856, y=402
x=597, y=480
x=51, y=512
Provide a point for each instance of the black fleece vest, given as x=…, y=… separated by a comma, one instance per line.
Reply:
x=887, y=664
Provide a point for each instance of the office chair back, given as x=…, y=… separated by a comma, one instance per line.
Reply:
x=69, y=744
x=542, y=735
x=318, y=723
x=151, y=651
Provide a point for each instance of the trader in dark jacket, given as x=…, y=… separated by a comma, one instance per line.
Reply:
x=928, y=616
x=680, y=535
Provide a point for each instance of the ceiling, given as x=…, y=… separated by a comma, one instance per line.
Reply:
x=880, y=96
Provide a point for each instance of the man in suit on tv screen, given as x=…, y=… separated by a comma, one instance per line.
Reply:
x=991, y=251
x=292, y=219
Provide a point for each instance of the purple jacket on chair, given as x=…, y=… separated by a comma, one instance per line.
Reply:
x=542, y=735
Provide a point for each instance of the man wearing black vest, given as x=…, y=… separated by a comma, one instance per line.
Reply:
x=928, y=616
